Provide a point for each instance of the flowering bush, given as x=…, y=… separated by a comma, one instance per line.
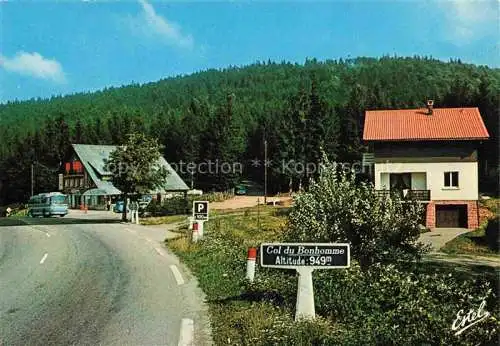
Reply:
x=387, y=305
x=336, y=208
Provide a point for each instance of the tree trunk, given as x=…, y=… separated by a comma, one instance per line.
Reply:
x=124, y=214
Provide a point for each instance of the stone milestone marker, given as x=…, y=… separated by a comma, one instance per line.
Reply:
x=304, y=258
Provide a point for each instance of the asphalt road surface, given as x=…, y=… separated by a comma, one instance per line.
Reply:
x=85, y=282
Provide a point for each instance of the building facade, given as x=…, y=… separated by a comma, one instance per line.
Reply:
x=431, y=155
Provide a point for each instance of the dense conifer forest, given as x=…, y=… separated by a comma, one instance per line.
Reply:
x=227, y=114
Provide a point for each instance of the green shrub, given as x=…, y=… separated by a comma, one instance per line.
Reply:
x=281, y=212
x=172, y=206
x=336, y=208
x=492, y=234
x=20, y=212
x=180, y=205
x=402, y=307
x=396, y=306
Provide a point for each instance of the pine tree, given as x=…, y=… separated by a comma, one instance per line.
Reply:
x=78, y=135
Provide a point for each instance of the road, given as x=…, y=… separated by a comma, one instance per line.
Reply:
x=80, y=281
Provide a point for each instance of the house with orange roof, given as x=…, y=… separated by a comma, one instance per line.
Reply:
x=429, y=154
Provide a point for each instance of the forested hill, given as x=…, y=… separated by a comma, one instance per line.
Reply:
x=225, y=114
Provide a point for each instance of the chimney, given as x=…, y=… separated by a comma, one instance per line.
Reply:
x=430, y=106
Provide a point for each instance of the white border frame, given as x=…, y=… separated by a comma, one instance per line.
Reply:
x=306, y=244
x=205, y=219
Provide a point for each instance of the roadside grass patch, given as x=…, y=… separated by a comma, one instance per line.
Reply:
x=162, y=219
x=482, y=241
x=264, y=209
x=11, y=221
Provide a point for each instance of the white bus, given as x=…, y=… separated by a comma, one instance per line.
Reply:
x=48, y=204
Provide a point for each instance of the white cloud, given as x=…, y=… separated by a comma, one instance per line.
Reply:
x=161, y=27
x=34, y=65
x=470, y=19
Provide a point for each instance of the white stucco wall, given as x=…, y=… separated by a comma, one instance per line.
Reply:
x=430, y=176
x=384, y=181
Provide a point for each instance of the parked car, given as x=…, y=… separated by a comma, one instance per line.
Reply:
x=118, y=207
x=240, y=190
x=195, y=192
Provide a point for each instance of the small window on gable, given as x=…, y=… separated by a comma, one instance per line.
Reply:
x=450, y=179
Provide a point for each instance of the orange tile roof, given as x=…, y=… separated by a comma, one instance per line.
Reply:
x=416, y=124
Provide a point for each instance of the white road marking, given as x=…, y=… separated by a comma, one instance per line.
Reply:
x=44, y=258
x=177, y=274
x=41, y=230
x=187, y=333
x=160, y=252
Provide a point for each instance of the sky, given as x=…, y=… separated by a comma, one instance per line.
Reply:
x=54, y=47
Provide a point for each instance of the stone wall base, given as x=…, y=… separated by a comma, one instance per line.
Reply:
x=472, y=212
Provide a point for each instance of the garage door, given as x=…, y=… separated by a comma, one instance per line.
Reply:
x=453, y=216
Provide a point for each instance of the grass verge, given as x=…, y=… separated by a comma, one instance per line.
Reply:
x=473, y=243
x=219, y=265
x=163, y=219
x=11, y=221
x=485, y=240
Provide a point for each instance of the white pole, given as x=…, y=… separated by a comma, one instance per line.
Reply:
x=195, y=232
x=200, y=229
x=305, y=295
x=132, y=212
x=137, y=215
x=128, y=207
x=191, y=221
x=251, y=259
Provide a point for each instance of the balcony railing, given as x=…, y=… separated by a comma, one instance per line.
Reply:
x=73, y=174
x=419, y=195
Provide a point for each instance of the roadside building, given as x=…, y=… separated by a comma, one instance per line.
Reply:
x=431, y=155
x=87, y=182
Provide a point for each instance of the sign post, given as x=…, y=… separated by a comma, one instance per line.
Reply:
x=305, y=258
x=132, y=212
x=61, y=182
x=200, y=215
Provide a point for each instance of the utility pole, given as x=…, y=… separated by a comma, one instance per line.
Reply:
x=32, y=177
x=265, y=172
x=258, y=214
